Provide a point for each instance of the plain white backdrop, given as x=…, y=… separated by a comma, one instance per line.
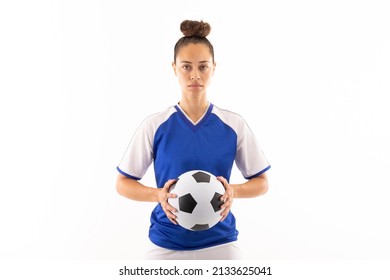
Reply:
x=311, y=78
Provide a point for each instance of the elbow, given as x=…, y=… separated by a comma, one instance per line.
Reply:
x=262, y=187
x=119, y=187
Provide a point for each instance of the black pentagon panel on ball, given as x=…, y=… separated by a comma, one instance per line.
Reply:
x=201, y=177
x=187, y=203
x=216, y=202
x=200, y=227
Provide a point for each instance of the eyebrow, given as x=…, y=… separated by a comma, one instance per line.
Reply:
x=203, y=61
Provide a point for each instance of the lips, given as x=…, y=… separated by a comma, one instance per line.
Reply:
x=195, y=85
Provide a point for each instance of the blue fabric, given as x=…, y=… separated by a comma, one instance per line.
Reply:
x=180, y=146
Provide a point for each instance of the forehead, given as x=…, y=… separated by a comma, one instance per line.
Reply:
x=194, y=53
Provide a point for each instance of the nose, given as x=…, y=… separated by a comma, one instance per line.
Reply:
x=195, y=75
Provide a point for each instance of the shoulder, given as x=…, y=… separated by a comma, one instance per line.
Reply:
x=155, y=120
x=228, y=117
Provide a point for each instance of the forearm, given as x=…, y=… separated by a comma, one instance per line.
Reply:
x=134, y=190
x=254, y=187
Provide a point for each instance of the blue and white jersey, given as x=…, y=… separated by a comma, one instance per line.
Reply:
x=176, y=145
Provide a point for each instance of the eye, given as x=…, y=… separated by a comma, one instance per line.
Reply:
x=186, y=67
x=203, y=67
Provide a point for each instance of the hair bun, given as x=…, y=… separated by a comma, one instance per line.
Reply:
x=195, y=28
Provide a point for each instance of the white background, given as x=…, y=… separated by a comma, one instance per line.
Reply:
x=311, y=78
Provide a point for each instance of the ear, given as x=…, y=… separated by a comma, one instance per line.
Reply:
x=215, y=65
x=174, y=67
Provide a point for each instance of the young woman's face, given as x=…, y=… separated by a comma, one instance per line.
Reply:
x=194, y=68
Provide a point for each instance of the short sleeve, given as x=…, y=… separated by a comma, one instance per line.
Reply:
x=139, y=153
x=250, y=158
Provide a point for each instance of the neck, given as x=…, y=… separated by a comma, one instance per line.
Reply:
x=194, y=109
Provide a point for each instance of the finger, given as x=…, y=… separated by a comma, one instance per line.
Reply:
x=171, y=195
x=165, y=190
x=224, y=204
x=169, y=211
x=169, y=183
x=224, y=197
x=222, y=180
x=225, y=207
x=224, y=216
x=171, y=217
x=172, y=209
x=167, y=207
x=225, y=212
x=172, y=220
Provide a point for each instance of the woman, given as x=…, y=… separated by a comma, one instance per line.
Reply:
x=194, y=134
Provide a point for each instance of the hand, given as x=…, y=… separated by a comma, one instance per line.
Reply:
x=227, y=198
x=163, y=196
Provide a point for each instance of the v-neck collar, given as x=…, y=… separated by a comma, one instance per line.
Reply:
x=189, y=122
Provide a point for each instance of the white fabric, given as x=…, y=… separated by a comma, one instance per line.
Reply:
x=250, y=159
x=137, y=162
x=227, y=251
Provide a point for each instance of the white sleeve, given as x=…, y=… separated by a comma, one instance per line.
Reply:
x=250, y=159
x=139, y=153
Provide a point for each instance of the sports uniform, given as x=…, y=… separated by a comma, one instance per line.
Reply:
x=175, y=145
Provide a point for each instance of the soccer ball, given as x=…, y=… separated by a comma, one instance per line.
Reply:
x=198, y=200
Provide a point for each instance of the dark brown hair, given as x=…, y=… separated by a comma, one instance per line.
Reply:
x=194, y=32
